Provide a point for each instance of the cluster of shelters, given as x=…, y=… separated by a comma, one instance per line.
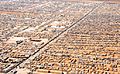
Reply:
x=69, y=37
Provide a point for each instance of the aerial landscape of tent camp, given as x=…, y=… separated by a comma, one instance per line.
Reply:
x=59, y=37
